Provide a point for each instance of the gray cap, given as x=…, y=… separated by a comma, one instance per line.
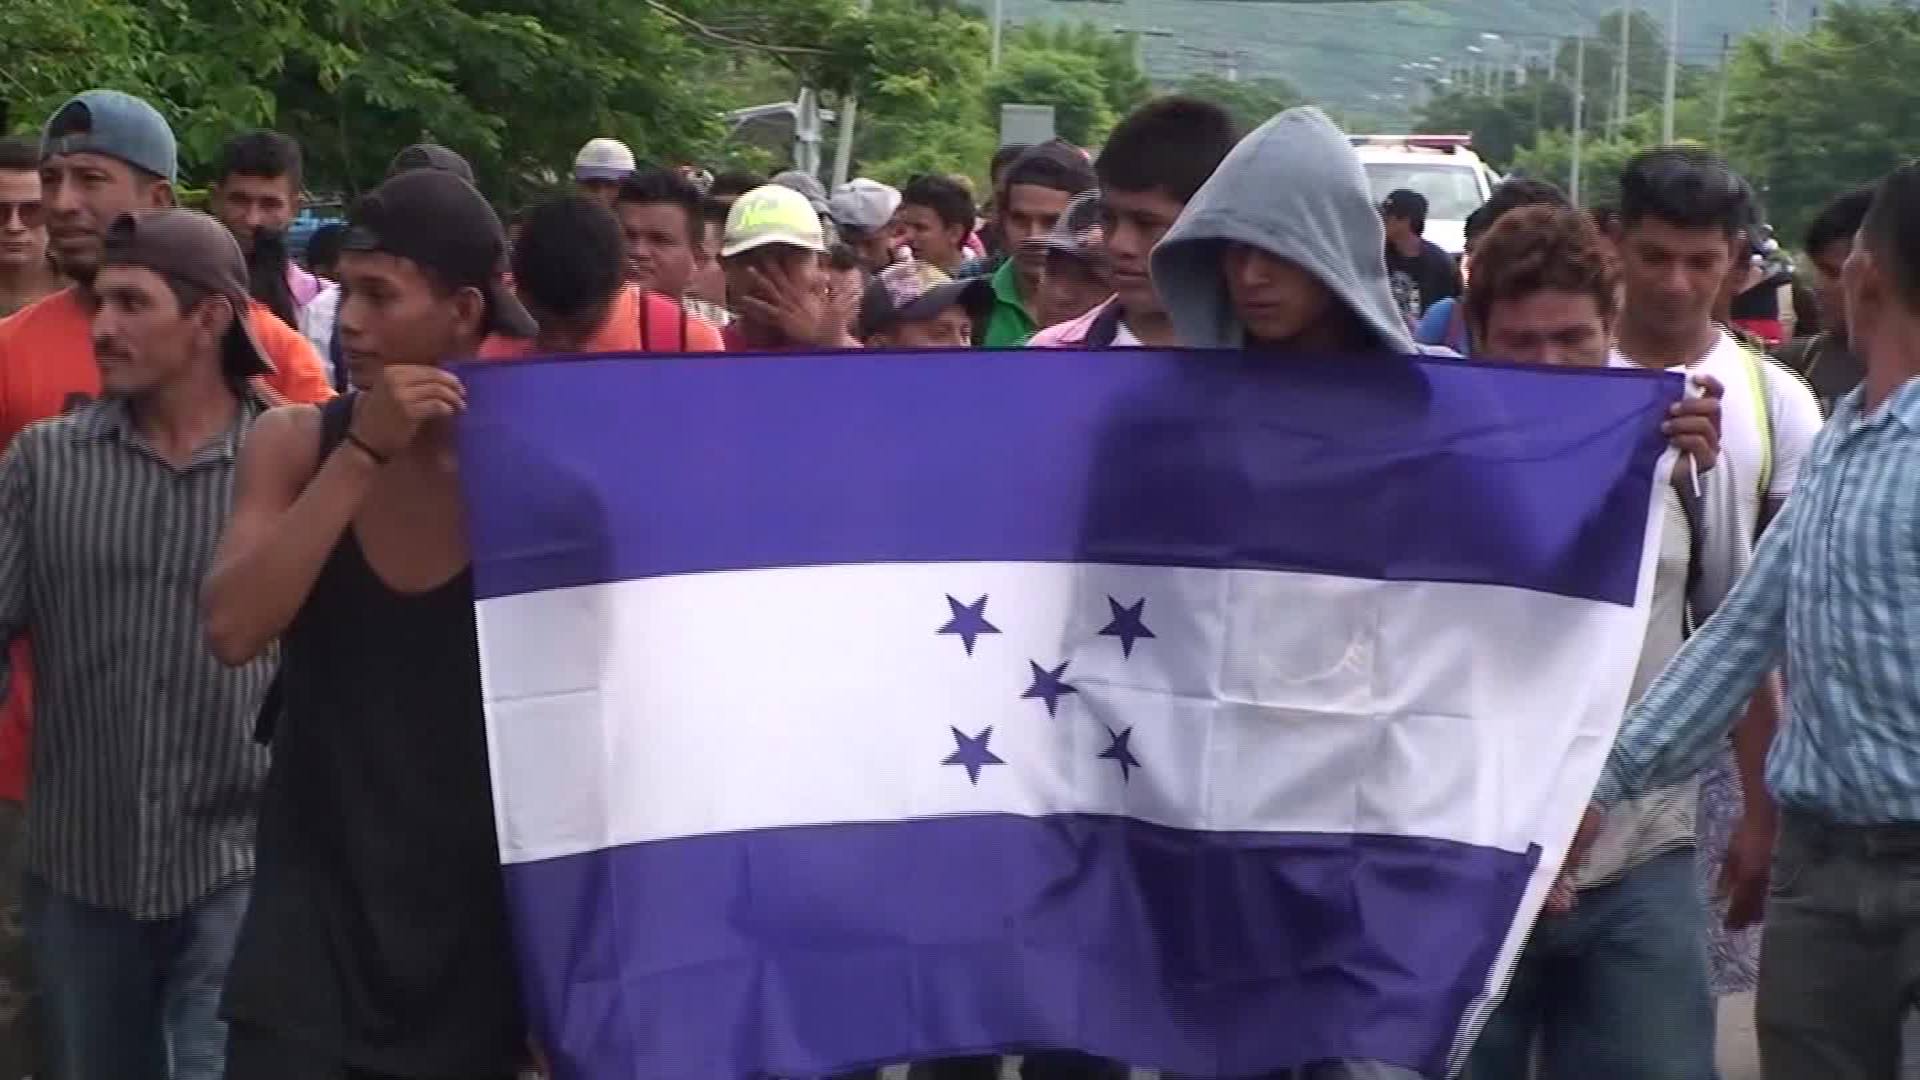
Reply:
x=863, y=204
x=117, y=125
x=806, y=184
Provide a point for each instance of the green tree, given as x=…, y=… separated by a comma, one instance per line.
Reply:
x=1070, y=82
x=56, y=47
x=1550, y=158
x=1251, y=102
x=1500, y=124
x=921, y=111
x=1836, y=107
x=1117, y=55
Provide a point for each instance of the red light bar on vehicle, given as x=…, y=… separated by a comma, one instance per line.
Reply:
x=1446, y=144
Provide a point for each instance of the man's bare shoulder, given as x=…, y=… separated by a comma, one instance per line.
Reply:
x=286, y=440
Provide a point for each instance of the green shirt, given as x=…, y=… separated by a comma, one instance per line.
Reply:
x=1009, y=326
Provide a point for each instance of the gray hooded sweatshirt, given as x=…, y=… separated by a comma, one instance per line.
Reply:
x=1294, y=189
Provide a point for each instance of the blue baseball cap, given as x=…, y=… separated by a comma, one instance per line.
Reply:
x=117, y=125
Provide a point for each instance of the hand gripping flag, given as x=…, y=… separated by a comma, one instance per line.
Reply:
x=1208, y=713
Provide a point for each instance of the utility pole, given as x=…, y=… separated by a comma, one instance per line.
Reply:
x=1579, y=114
x=849, y=114
x=1720, y=107
x=1626, y=69
x=1673, y=68
x=999, y=20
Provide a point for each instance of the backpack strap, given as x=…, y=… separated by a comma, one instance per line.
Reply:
x=1757, y=387
x=1691, y=509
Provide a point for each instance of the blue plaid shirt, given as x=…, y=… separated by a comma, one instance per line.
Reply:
x=1835, y=585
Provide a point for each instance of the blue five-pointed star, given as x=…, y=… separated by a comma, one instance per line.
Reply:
x=969, y=621
x=972, y=753
x=1121, y=753
x=1049, y=686
x=1129, y=624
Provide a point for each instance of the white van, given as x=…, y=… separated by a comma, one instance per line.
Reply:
x=1441, y=167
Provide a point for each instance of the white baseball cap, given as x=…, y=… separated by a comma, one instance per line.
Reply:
x=773, y=214
x=603, y=159
x=864, y=204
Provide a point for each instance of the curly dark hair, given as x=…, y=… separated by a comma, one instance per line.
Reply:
x=1534, y=249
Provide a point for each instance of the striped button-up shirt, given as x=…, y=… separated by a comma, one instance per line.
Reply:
x=145, y=774
x=1835, y=586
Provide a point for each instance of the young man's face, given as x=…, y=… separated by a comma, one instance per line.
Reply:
x=1868, y=291
x=1031, y=212
x=603, y=192
x=951, y=329
x=1132, y=222
x=932, y=240
x=873, y=246
x=1547, y=327
x=709, y=280
x=1829, y=264
x=1276, y=300
x=84, y=193
x=799, y=267
x=141, y=338
x=1399, y=229
x=1673, y=276
x=248, y=204
x=1069, y=288
x=662, y=245
x=23, y=220
x=391, y=312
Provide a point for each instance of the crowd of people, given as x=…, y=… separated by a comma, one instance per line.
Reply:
x=244, y=798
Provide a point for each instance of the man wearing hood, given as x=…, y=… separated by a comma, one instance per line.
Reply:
x=1282, y=249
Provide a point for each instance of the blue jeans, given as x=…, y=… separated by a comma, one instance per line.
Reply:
x=1616, y=989
x=125, y=999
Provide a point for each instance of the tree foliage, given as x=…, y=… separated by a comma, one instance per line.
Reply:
x=1836, y=107
x=1251, y=102
x=1069, y=82
x=517, y=85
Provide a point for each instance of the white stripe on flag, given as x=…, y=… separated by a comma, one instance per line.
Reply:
x=720, y=702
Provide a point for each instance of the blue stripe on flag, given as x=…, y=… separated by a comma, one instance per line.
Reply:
x=587, y=470
x=805, y=951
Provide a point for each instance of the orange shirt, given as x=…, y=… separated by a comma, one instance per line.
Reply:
x=47, y=368
x=662, y=326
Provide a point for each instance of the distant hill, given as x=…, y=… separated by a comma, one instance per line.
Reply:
x=1349, y=55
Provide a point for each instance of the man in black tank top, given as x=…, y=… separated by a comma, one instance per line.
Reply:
x=377, y=945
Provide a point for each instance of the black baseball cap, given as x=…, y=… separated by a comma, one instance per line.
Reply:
x=1405, y=203
x=439, y=221
x=192, y=248
x=430, y=156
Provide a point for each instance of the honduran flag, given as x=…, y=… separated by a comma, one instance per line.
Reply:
x=1209, y=714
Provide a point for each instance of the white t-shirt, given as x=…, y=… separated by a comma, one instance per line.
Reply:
x=1792, y=414
x=1124, y=337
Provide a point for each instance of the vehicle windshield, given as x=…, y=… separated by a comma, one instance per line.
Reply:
x=1452, y=191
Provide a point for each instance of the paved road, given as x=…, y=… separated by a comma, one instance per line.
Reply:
x=1739, y=1056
